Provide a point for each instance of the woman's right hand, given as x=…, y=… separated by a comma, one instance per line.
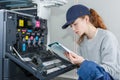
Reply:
x=74, y=58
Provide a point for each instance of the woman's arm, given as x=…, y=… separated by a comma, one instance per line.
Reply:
x=110, y=56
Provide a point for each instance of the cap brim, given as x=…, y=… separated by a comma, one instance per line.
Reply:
x=67, y=24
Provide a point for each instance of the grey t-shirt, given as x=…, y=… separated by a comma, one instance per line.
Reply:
x=103, y=49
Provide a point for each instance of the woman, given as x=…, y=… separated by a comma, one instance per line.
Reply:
x=99, y=49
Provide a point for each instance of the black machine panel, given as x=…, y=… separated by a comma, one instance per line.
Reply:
x=24, y=41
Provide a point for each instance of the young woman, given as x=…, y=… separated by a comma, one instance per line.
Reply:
x=99, y=50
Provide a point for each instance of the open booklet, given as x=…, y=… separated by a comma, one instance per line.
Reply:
x=59, y=49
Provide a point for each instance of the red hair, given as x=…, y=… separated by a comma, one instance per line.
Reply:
x=96, y=20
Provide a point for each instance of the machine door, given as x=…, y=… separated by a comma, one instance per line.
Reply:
x=43, y=70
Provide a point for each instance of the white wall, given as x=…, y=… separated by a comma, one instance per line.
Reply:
x=108, y=10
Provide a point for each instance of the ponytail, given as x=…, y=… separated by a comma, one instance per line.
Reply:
x=96, y=20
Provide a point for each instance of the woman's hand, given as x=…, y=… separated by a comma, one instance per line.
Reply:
x=74, y=58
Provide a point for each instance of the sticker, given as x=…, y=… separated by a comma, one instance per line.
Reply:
x=37, y=24
x=21, y=23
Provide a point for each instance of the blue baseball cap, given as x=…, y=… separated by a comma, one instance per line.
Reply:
x=74, y=12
